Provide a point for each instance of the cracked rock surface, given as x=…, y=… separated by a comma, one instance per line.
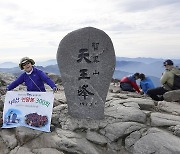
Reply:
x=133, y=124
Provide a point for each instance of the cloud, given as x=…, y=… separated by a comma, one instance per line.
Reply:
x=8, y=5
x=50, y=27
x=145, y=5
x=133, y=25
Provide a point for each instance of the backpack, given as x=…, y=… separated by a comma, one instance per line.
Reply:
x=176, y=84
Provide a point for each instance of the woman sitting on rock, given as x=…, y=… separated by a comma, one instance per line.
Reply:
x=145, y=83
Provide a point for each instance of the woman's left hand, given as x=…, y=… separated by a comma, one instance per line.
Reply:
x=55, y=90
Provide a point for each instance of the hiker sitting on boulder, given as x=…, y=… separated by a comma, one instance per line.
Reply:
x=167, y=81
x=145, y=83
x=32, y=77
x=128, y=83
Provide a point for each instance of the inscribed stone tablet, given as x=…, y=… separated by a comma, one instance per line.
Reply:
x=86, y=60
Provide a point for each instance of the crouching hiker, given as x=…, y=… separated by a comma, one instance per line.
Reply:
x=33, y=78
x=145, y=83
x=167, y=81
x=128, y=83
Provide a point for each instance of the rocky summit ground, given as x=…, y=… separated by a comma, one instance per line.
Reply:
x=133, y=124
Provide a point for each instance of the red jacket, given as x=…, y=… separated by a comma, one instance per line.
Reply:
x=132, y=81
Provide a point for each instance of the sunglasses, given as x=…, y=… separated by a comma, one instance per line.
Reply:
x=26, y=63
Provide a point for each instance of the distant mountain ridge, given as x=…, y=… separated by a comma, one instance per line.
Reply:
x=54, y=61
x=146, y=60
x=8, y=65
x=124, y=66
x=153, y=69
x=38, y=63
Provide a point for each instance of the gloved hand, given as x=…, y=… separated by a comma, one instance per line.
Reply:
x=55, y=89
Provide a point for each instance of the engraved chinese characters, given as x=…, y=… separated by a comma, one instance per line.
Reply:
x=86, y=60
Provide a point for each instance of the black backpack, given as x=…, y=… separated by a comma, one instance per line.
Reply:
x=176, y=84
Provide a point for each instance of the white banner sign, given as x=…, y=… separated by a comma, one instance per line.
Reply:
x=29, y=109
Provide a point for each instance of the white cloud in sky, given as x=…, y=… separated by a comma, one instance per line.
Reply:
x=138, y=28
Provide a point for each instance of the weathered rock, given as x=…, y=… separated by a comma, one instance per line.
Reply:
x=21, y=150
x=74, y=143
x=96, y=138
x=170, y=107
x=175, y=130
x=25, y=134
x=86, y=60
x=70, y=123
x=46, y=151
x=59, y=98
x=6, y=78
x=114, y=89
x=1, y=105
x=131, y=104
x=45, y=140
x=157, y=141
x=3, y=147
x=120, y=129
x=9, y=138
x=55, y=78
x=126, y=113
x=132, y=139
x=172, y=96
x=145, y=104
x=160, y=119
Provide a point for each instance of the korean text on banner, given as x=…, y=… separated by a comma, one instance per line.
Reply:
x=29, y=109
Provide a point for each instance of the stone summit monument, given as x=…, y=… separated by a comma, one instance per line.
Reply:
x=86, y=61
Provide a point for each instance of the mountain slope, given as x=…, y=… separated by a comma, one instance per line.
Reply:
x=7, y=65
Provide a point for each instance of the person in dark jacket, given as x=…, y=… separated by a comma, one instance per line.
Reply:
x=33, y=78
x=128, y=83
x=145, y=83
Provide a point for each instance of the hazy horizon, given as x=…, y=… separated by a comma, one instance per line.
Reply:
x=48, y=59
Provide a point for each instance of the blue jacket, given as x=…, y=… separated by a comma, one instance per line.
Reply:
x=146, y=84
x=38, y=76
x=132, y=78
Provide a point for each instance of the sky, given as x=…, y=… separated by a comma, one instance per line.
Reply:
x=137, y=28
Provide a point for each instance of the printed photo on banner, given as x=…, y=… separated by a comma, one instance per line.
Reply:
x=29, y=109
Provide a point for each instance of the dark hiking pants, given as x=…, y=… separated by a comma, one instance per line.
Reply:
x=157, y=93
x=125, y=86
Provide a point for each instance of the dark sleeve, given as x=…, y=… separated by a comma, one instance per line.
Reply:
x=46, y=79
x=16, y=83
